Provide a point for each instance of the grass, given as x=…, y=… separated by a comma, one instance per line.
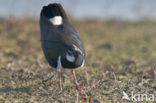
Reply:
x=125, y=50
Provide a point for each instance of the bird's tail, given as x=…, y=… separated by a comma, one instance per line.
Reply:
x=52, y=10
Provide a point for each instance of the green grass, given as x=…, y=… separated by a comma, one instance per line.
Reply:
x=125, y=50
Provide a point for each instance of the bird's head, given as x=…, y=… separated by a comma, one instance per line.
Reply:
x=73, y=56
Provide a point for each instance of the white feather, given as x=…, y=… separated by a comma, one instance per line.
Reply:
x=70, y=58
x=82, y=62
x=57, y=20
x=59, y=63
x=77, y=49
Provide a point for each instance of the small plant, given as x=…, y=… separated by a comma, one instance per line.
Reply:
x=87, y=92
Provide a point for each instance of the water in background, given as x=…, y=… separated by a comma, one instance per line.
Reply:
x=123, y=9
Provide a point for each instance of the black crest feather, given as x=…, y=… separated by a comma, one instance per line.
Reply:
x=52, y=10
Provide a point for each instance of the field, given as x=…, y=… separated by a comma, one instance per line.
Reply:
x=124, y=51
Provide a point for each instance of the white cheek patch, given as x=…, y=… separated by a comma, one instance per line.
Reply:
x=57, y=20
x=77, y=49
x=70, y=58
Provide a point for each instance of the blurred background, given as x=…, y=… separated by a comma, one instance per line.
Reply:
x=120, y=9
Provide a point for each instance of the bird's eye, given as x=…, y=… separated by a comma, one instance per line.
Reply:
x=70, y=48
x=70, y=52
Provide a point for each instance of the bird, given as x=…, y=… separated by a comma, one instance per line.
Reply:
x=61, y=44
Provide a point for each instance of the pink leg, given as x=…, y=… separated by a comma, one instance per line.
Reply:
x=81, y=90
x=75, y=80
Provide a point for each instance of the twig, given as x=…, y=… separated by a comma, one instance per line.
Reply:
x=99, y=82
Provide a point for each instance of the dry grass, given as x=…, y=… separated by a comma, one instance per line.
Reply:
x=125, y=50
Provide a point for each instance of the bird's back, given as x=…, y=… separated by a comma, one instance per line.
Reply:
x=58, y=37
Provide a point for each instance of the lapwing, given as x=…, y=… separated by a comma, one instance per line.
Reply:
x=61, y=44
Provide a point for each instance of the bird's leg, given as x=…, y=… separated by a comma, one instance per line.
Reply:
x=86, y=75
x=75, y=80
x=59, y=71
x=81, y=91
x=60, y=79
